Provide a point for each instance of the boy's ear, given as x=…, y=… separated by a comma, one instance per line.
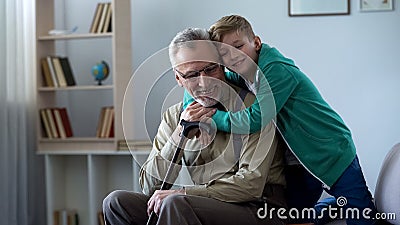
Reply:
x=257, y=43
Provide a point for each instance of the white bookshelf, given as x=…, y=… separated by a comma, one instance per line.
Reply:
x=83, y=169
x=120, y=61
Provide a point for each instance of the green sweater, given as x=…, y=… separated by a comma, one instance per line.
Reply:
x=313, y=130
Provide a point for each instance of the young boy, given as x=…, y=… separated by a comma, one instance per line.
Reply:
x=316, y=135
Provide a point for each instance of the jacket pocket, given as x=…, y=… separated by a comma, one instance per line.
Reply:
x=313, y=137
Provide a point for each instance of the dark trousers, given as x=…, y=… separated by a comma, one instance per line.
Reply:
x=123, y=208
x=350, y=192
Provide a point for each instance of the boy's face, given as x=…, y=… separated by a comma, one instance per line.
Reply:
x=235, y=60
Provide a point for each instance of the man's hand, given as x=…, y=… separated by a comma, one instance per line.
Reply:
x=154, y=203
x=194, y=112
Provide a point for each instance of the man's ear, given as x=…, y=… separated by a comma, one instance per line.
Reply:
x=257, y=43
x=178, y=80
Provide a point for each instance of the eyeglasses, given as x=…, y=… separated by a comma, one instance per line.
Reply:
x=208, y=70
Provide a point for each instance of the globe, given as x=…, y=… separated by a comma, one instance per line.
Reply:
x=100, y=71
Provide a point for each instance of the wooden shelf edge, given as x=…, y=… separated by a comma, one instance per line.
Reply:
x=74, y=36
x=91, y=152
x=75, y=140
x=82, y=152
x=77, y=144
x=74, y=88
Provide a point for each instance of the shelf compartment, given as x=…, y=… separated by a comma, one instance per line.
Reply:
x=108, y=173
x=67, y=185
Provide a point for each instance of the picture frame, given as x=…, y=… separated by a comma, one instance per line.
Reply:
x=318, y=7
x=376, y=5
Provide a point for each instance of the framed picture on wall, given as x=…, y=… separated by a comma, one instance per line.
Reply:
x=376, y=5
x=318, y=7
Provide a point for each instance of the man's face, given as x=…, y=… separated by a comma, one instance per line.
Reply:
x=203, y=81
x=241, y=60
x=198, y=70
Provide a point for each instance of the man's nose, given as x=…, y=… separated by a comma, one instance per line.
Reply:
x=203, y=80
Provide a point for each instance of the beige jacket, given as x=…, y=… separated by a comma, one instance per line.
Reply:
x=213, y=169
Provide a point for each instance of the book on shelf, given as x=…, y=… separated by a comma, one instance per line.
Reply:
x=55, y=123
x=134, y=145
x=59, y=123
x=105, y=121
x=47, y=132
x=100, y=122
x=65, y=121
x=57, y=72
x=107, y=22
x=106, y=118
x=96, y=17
x=47, y=79
x=67, y=70
x=100, y=216
x=102, y=18
x=65, y=217
x=101, y=22
x=105, y=124
x=52, y=71
x=52, y=122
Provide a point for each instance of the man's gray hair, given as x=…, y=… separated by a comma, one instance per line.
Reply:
x=186, y=38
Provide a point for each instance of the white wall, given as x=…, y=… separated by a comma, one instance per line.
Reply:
x=352, y=59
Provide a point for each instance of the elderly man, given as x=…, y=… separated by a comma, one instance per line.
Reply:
x=234, y=177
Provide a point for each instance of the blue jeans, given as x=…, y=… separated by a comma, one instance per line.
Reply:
x=303, y=191
x=350, y=190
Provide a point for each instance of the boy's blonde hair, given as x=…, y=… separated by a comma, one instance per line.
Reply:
x=228, y=24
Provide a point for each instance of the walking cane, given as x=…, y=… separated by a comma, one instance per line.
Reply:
x=187, y=127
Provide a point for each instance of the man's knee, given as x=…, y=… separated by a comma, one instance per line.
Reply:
x=112, y=199
x=124, y=207
x=175, y=201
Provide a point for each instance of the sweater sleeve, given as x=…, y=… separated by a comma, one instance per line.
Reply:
x=273, y=92
x=271, y=97
x=187, y=99
x=235, y=79
x=244, y=122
